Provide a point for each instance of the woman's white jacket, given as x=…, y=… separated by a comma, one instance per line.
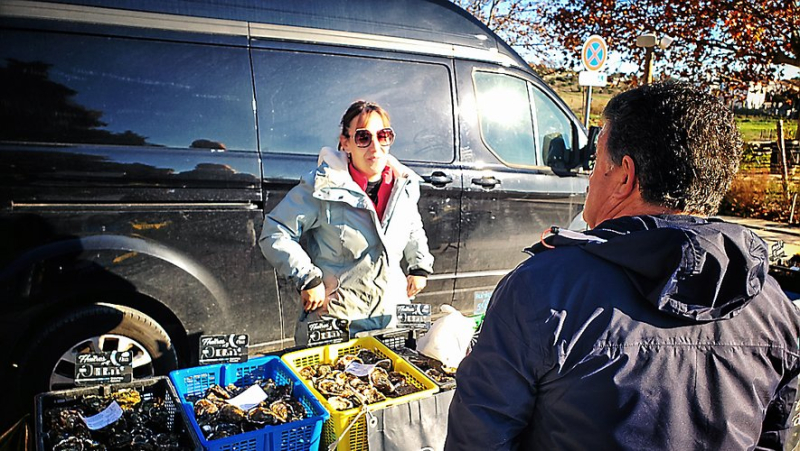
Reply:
x=345, y=244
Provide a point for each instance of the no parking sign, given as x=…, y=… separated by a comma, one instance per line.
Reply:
x=594, y=53
x=593, y=57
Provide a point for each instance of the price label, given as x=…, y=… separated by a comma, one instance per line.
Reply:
x=109, y=415
x=414, y=316
x=328, y=331
x=223, y=348
x=103, y=368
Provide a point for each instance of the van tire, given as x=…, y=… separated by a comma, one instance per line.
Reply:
x=121, y=328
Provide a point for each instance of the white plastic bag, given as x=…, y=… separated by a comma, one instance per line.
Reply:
x=448, y=338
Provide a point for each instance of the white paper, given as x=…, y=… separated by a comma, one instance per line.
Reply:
x=359, y=369
x=109, y=415
x=249, y=398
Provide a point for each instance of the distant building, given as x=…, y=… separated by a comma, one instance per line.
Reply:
x=755, y=97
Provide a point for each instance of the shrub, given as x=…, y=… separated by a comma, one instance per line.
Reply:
x=755, y=193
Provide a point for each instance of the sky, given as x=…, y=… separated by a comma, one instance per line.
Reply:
x=615, y=63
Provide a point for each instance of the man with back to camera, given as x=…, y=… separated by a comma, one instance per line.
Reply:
x=656, y=329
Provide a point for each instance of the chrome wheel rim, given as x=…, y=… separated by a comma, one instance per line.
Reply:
x=63, y=374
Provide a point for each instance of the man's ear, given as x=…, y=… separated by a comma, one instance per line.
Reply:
x=629, y=184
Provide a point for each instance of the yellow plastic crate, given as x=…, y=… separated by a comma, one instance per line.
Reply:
x=356, y=438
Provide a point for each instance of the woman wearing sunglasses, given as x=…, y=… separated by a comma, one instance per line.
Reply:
x=358, y=217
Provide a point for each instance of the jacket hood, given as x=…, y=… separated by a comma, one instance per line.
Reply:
x=685, y=266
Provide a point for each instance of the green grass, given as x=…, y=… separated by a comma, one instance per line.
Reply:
x=752, y=128
x=759, y=128
x=574, y=100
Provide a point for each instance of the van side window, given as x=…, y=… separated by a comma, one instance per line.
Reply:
x=302, y=96
x=99, y=90
x=553, y=128
x=506, y=120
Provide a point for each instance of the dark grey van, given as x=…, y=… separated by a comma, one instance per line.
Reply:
x=141, y=144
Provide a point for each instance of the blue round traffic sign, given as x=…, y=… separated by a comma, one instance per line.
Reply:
x=594, y=53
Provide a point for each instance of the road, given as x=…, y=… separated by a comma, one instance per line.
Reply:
x=783, y=239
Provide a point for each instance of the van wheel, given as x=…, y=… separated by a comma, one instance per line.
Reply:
x=49, y=363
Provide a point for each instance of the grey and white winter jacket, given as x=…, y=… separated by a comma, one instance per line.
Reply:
x=344, y=242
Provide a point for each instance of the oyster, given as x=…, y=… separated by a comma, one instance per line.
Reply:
x=324, y=369
x=94, y=403
x=345, y=360
x=403, y=390
x=328, y=387
x=281, y=410
x=371, y=395
x=167, y=440
x=339, y=403
x=231, y=414
x=159, y=414
x=205, y=408
x=379, y=379
x=308, y=372
x=233, y=390
x=449, y=370
x=438, y=376
x=356, y=382
x=71, y=444
x=340, y=377
x=397, y=378
x=127, y=398
x=261, y=416
x=217, y=392
x=298, y=409
x=66, y=420
x=120, y=440
x=223, y=430
x=367, y=356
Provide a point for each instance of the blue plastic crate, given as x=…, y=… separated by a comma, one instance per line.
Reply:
x=295, y=436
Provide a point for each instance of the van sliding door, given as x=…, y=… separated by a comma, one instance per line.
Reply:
x=301, y=97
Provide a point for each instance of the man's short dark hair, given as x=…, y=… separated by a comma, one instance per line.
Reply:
x=683, y=141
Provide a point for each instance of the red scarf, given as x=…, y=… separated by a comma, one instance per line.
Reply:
x=387, y=181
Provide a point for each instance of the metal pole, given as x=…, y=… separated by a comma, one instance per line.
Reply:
x=648, y=65
x=784, y=160
x=587, y=108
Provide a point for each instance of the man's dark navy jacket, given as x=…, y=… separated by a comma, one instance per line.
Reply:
x=650, y=332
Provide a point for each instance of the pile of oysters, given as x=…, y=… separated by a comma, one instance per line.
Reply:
x=218, y=418
x=358, y=379
x=143, y=425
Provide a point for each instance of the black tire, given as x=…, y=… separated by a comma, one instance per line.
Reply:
x=45, y=365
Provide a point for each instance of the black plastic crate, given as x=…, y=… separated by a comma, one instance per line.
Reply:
x=151, y=388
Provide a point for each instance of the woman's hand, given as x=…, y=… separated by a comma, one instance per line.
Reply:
x=313, y=298
x=415, y=285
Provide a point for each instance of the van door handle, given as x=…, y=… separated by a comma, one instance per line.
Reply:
x=438, y=179
x=486, y=182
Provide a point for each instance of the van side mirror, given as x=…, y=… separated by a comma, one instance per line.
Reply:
x=590, y=149
x=558, y=156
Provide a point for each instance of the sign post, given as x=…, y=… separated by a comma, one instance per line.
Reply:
x=593, y=57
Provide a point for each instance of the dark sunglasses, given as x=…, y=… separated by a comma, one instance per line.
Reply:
x=363, y=137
